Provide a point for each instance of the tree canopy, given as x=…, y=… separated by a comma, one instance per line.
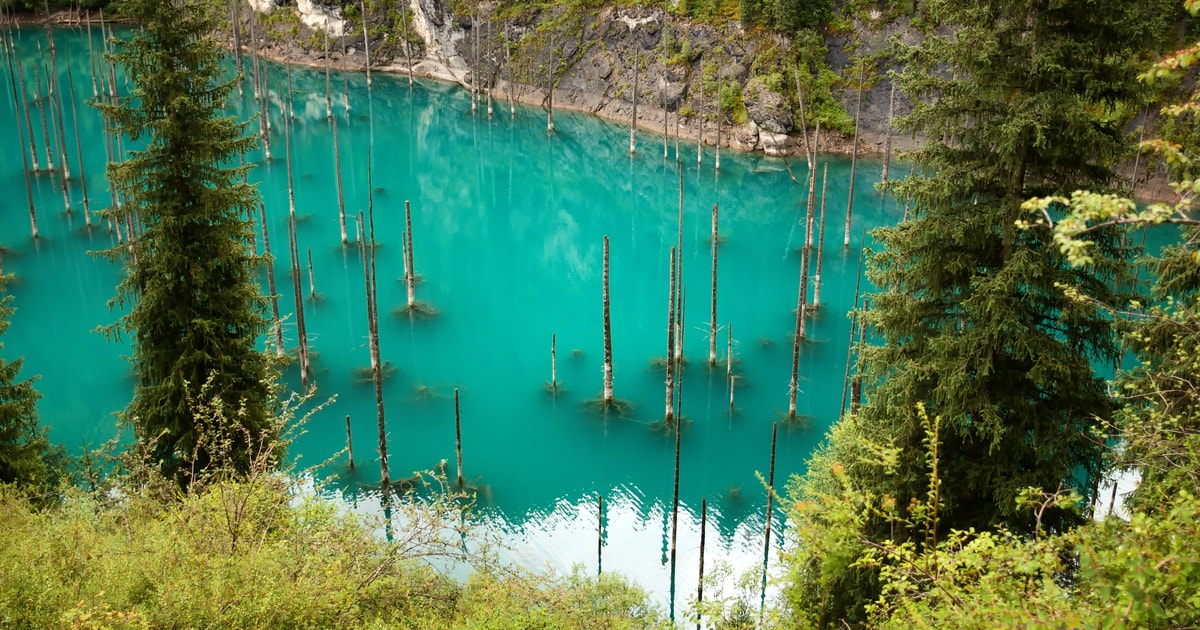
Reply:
x=194, y=309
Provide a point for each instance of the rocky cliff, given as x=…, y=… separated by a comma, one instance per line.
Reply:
x=600, y=61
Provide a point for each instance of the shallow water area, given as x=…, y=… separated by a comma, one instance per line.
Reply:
x=508, y=224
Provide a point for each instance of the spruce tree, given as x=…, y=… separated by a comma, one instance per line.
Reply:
x=23, y=443
x=1017, y=99
x=194, y=309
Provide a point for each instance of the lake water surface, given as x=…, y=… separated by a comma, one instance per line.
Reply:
x=508, y=229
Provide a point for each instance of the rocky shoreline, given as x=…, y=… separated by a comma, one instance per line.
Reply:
x=598, y=68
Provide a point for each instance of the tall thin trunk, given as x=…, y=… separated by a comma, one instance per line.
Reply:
x=550, y=86
x=349, y=442
x=675, y=515
x=28, y=119
x=887, y=141
x=337, y=164
x=700, y=578
x=366, y=40
x=553, y=363
x=458, y=437
x=712, y=319
x=608, y=371
x=92, y=57
x=770, y=510
x=862, y=68
x=729, y=361
x=345, y=77
x=808, y=149
x=679, y=277
x=410, y=279
x=87, y=213
x=720, y=115
x=328, y=87
x=794, y=385
x=853, y=323
x=275, y=321
x=820, y=241
x=856, y=384
x=301, y=332
x=700, y=117
x=670, y=413
x=404, y=30
x=42, y=100
x=24, y=158
x=312, y=286
x=633, y=122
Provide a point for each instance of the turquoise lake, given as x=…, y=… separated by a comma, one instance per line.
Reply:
x=508, y=229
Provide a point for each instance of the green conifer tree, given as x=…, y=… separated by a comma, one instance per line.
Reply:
x=194, y=309
x=23, y=443
x=1017, y=98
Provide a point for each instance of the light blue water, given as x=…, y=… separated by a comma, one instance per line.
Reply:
x=508, y=226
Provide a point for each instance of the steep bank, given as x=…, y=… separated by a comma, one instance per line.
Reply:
x=594, y=59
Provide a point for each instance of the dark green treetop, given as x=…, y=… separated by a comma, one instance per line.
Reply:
x=1016, y=99
x=194, y=309
x=23, y=442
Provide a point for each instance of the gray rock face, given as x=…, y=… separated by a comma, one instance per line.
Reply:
x=767, y=108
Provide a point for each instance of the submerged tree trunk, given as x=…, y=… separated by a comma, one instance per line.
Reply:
x=458, y=437
x=862, y=68
x=33, y=226
x=887, y=141
x=337, y=165
x=712, y=319
x=87, y=214
x=28, y=119
x=275, y=322
x=608, y=371
x=670, y=412
x=633, y=123
x=410, y=279
x=820, y=241
x=366, y=40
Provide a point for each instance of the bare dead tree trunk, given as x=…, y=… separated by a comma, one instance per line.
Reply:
x=404, y=30
x=633, y=123
x=87, y=213
x=366, y=40
x=608, y=371
x=28, y=119
x=410, y=279
x=712, y=319
x=853, y=323
x=312, y=286
x=301, y=332
x=700, y=579
x=458, y=437
x=553, y=364
x=349, y=442
x=670, y=412
x=887, y=141
x=862, y=68
x=328, y=86
x=820, y=241
x=41, y=97
x=770, y=509
x=24, y=158
x=337, y=164
x=275, y=321
x=856, y=384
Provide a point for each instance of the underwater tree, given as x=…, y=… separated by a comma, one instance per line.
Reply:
x=194, y=309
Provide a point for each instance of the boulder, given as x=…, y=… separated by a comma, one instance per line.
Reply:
x=767, y=108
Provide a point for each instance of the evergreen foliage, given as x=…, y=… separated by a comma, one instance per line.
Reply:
x=24, y=447
x=1019, y=100
x=195, y=312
